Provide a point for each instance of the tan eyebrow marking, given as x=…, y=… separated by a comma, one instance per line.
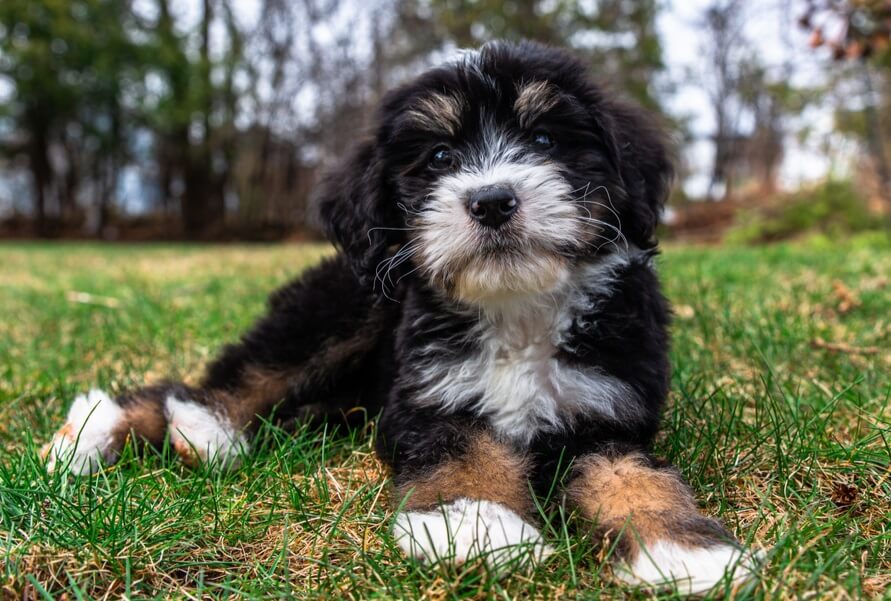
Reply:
x=438, y=112
x=534, y=99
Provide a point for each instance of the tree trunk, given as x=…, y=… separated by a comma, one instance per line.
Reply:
x=41, y=172
x=874, y=137
x=71, y=182
x=204, y=206
x=165, y=181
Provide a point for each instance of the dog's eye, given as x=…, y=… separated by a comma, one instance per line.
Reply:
x=442, y=158
x=542, y=139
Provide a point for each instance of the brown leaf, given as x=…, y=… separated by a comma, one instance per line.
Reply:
x=843, y=494
x=855, y=49
x=847, y=298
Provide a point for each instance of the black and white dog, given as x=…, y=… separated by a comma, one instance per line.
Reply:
x=495, y=299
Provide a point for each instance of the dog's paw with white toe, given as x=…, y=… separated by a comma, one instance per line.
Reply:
x=691, y=570
x=88, y=438
x=200, y=435
x=467, y=529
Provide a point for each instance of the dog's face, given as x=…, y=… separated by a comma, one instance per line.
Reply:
x=492, y=176
x=502, y=180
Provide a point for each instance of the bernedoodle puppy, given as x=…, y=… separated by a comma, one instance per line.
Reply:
x=495, y=300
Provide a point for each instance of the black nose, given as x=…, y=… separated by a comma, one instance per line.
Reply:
x=493, y=207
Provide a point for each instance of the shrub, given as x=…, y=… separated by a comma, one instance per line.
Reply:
x=834, y=208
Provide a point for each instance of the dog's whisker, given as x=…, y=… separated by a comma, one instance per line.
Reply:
x=613, y=240
x=406, y=274
x=619, y=235
x=599, y=204
x=396, y=262
x=394, y=229
x=388, y=264
x=409, y=211
x=609, y=199
x=383, y=268
x=579, y=188
x=402, y=255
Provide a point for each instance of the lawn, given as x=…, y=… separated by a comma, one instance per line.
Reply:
x=780, y=418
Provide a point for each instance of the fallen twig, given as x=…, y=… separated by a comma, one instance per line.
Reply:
x=86, y=298
x=841, y=347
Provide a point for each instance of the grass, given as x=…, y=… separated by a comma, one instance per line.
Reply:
x=779, y=419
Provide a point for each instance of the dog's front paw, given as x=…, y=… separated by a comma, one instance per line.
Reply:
x=666, y=564
x=467, y=529
x=199, y=435
x=89, y=437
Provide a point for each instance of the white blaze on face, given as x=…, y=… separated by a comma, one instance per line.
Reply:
x=520, y=257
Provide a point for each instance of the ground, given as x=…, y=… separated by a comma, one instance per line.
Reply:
x=779, y=418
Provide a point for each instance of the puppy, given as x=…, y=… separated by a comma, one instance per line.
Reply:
x=495, y=299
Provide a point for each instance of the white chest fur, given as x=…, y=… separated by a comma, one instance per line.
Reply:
x=516, y=378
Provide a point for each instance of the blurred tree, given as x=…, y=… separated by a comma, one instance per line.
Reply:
x=70, y=64
x=194, y=113
x=851, y=29
x=859, y=31
x=618, y=37
x=725, y=54
x=751, y=104
x=314, y=82
x=768, y=102
x=218, y=123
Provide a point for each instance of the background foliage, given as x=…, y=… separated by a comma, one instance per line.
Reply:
x=211, y=118
x=120, y=106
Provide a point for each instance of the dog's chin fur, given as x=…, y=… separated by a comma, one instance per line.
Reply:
x=499, y=281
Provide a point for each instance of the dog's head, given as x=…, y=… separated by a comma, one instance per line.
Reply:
x=493, y=175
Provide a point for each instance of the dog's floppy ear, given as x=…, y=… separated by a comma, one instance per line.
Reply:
x=646, y=164
x=350, y=205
